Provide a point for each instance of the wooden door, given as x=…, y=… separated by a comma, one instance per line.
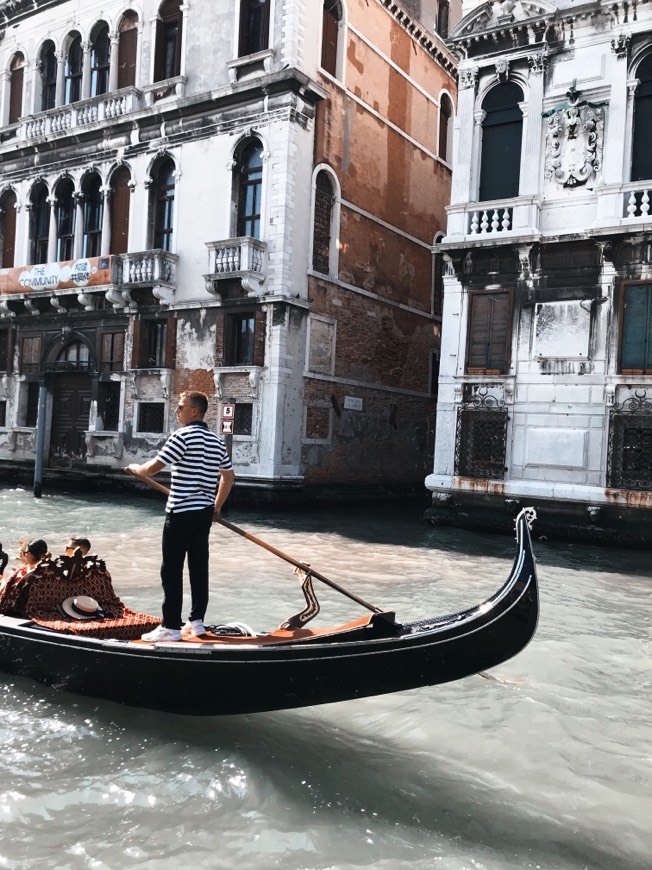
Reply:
x=70, y=411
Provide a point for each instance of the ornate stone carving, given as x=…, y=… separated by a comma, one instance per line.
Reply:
x=538, y=62
x=468, y=77
x=502, y=69
x=574, y=140
x=620, y=43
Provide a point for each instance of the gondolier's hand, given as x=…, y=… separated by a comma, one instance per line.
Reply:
x=146, y=469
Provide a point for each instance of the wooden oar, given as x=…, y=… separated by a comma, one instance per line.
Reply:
x=302, y=566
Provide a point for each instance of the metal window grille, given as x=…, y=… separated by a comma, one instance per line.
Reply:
x=481, y=437
x=629, y=458
x=151, y=416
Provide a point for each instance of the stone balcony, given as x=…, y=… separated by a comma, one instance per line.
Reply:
x=64, y=119
x=494, y=219
x=243, y=259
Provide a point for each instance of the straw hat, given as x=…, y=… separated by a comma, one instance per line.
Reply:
x=82, y=607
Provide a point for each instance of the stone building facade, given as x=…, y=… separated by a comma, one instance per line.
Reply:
x=546, y=377
x=239, y=203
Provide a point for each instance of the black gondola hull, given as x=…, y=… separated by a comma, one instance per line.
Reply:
x=246, y=678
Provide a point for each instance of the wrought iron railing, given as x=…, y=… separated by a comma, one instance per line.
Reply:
x=481, y=436
x=629, y=457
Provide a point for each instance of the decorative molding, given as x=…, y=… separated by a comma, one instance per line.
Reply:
x=574, y=140
x=620, y=43
x=468, y=78
x=502, y=69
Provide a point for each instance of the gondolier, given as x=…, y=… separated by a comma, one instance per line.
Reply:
x=201, y=480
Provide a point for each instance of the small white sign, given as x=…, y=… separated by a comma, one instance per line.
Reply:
x=352, y=403
x=227, y=427
x=228, y=412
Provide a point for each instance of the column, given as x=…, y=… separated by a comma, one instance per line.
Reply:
x=86, y=71
x=61, y=79
x=613, y=160
x=532, y=109
x=52, y=234
x=78, y=245
x=6, y=93
x=105, y=244
x=464, y=133
x=113, y=68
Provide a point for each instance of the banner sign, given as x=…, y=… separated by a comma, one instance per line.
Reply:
x=68, y=275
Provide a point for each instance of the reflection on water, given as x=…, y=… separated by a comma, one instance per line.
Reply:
x=551, y=769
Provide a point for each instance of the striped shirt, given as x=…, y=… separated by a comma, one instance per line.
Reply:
x=196, y=456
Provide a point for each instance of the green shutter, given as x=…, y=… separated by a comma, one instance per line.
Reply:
x=637, y=328
x=489, y=326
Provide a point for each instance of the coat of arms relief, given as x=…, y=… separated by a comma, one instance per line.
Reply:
x=574, y=140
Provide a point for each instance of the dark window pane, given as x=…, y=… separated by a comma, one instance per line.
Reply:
x=65, y=222
x=331, y=17
x=4, y=350
x=100, y=58
x=154, y=333
x=164, y=206
x=48, y=77
x=3, y=413
x=112, y=352
x=31, y=406
x=249, y=196
x=108, y=406
x=254, y=26
x=242, y=423
x=151, y=416
x=16, y=88
x=502, y=131
x=73, y=69
x=93, y=206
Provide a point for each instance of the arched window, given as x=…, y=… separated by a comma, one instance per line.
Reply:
x=100, y=61
x=65, y=216
x=39, y=224
x=73, y=70
x=254, y=26
x=445, y=127
x=322, y=222
x=167, y=63
x=120, y=201
x=48, y=65
x=331, y=18
x=16, y=87
x=127, y=47
x=502, y=131
x=443, y=15
x=93, y=208
x=8, y=228
x=73, y=356
x=249, y=182
x=641, y=149
x=163, y=203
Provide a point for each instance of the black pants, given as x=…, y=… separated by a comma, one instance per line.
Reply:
x=185, y=534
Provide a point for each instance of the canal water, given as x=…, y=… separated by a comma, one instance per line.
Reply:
x=548, y=764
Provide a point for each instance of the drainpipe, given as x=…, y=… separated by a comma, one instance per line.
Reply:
x=40, y=440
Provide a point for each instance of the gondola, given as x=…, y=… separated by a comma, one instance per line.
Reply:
x=295, y=666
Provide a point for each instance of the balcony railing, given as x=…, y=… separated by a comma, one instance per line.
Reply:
x=636, y=202
x=80, y=114
x=146, y=267
x=242, y=257
x=519, y=215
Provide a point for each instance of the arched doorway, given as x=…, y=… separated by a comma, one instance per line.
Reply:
x=71, y=402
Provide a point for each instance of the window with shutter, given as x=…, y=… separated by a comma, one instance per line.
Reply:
x=502, y=131
x=112, y=346
x=30, y=357
x=119, y=203
x=636, y=331
x=8, y=228
x=127, y=46
x=641, y=150
x=331, y=18
x=16, y=87
x=489, y=332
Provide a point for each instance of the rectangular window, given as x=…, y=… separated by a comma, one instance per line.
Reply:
x=30, y=358
x=112, y=352
x=31, y=405
x=243, y=419
x=153, y=345
x=241, y=340
x=636, y=333
x=3, y=413
x=151, y=417
x=108, y=406
x=489, y=333
x=254, y=26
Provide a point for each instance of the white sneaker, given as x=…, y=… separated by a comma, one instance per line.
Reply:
x=161, y=633
x=195, y=627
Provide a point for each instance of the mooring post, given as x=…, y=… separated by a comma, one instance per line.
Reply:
x=40, y=440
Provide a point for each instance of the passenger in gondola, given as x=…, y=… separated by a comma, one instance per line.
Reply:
x=76, y=543
x=30, y=554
